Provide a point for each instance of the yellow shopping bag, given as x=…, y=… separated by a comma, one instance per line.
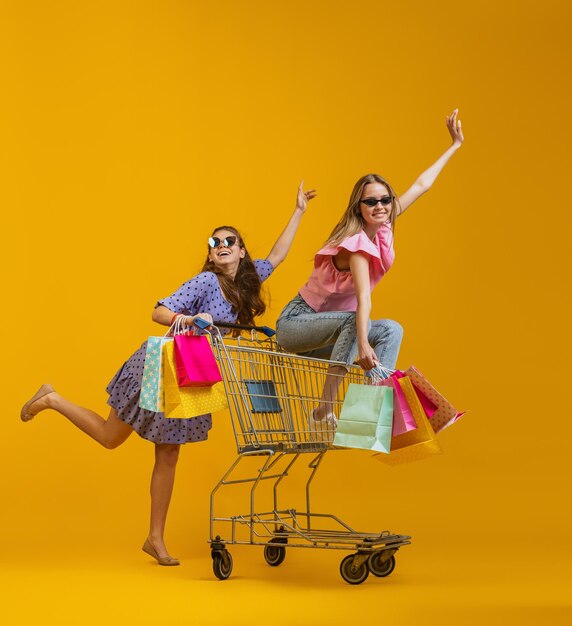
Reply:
x=413, y=445
x=185, y=402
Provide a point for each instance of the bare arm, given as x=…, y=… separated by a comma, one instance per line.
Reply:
x=283, y=244
x=427, y=178
x=359, y=267
x=163, y=315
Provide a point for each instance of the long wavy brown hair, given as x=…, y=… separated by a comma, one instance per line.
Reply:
x=352, y=221
x=244, y=292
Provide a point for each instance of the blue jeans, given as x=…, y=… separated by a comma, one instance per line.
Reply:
x=333, y=335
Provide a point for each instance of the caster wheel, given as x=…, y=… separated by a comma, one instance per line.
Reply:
x=274, y=553
x=353, y=575
x=222, y=564
x=378, y=567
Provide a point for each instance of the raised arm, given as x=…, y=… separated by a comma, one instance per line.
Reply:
x=282, y=246
x=427, y=178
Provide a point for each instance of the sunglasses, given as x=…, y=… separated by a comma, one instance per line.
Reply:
x=215, y=242
x=371, y=202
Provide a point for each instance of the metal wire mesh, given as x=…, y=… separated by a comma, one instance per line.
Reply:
x=272, y=394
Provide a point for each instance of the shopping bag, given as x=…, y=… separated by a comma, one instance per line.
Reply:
x=185, y=402
x=416, y=444
x=366, y=418
x=427, y=405
x=151, y=396
x=403, y=420
x=445, y=413
x=195, y=361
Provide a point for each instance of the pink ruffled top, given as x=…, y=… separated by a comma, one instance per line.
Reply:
x=331, y=289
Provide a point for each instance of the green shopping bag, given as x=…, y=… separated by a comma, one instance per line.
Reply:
x=151, y=396
x=366, y=420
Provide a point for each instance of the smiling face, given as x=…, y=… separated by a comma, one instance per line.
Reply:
x=227, y=258
x=375, y=216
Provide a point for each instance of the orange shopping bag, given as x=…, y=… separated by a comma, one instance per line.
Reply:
x=413, y=445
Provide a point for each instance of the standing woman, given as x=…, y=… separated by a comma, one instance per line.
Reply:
x=227, y=290
x=330, y=316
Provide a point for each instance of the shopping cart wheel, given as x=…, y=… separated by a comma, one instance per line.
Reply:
x=351, y=574
x=222, y=564
x=379, y=567
x=274, y=553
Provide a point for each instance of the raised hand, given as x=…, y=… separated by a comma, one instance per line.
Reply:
x=304, y=197
x=454, y=128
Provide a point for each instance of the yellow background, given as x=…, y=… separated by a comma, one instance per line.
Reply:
x=130, y=130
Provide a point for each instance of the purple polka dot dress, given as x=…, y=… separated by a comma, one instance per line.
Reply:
x=201, y=294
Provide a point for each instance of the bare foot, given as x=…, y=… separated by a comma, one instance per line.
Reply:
x=322, y=428
x=321, y=411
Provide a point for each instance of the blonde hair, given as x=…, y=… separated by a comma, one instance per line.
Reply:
x=352, y=221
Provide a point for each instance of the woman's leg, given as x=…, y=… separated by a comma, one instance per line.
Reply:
x=334, y=377
x=110, y=432
x=330, y=334
x=333, y=335
x=385, y=338
x=314, y=332
x=162, y=481
x=303, y=331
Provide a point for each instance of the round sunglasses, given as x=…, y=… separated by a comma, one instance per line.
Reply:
x=215, y=242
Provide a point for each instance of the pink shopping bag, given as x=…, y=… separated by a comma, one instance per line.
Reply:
x=403, y=420
x=195, y=361
x=428, y=406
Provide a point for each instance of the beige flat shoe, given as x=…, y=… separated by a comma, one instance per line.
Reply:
x=25, y=414
x=162, y=560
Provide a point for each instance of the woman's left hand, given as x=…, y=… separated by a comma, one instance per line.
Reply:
x=454, y=128
x=304, y=197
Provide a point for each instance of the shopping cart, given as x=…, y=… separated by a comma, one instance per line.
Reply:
x=271, y=396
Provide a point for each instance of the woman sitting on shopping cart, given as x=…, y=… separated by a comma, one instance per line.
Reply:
x=330, y=316
x=229, y=290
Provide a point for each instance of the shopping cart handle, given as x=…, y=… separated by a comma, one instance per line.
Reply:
x=269, y=332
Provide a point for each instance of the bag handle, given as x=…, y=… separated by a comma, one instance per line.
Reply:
x=179, y=327
x=379, y=373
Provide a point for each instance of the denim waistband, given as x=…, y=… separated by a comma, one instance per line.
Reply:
x=296, y=306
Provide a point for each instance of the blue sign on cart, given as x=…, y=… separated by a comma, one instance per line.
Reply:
x=263, y=397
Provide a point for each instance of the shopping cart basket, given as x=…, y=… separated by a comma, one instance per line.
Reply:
x=271, y=397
